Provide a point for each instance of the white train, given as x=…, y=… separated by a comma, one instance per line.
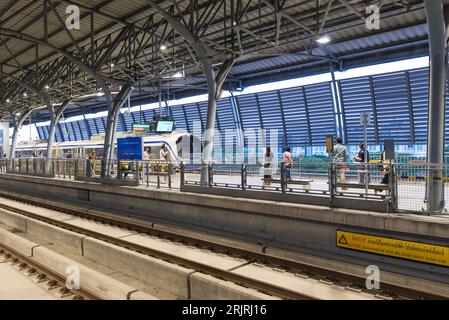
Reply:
x=179, y=144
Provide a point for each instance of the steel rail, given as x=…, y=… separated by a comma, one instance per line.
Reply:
x=51, y=275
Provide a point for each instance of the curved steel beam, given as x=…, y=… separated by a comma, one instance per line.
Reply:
x=101, y=78
x=17, y=125
x=214, y=81
x=181, y=29
x=28, y=87
x=54, y=116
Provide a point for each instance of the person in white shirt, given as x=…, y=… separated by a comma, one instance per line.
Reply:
x=146, y=154
x=163, y=153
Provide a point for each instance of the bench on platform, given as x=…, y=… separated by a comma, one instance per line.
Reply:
x=375, y=187
x=304, y=182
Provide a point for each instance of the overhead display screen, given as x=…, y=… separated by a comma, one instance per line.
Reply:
x=164, y=126
x=141, y=127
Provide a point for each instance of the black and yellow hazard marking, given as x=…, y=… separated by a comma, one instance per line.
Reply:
x=417, y=251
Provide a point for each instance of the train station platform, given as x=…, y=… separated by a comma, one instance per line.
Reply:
x=410, y=244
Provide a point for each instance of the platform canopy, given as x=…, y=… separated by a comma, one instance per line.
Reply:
x=122, y=42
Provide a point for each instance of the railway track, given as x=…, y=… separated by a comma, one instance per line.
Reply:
x=43, y=274
x=325, y=275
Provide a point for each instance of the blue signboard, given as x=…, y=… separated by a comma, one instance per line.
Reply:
x=130, y=148
x=1, y=137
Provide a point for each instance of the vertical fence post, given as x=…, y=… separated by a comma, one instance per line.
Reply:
x=158, y=165
x=243, y=174
x=283, y=177
x=393, y=186
x=147, y=173
x=332, y=185
x=169, y=174
x=136, y=172
x=182, y=177
x=210, y=174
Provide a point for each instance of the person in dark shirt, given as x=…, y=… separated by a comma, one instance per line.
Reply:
x=361, y=158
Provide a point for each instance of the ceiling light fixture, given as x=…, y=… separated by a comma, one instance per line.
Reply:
x=323, y=40
x=178, y=75
x=163, y=47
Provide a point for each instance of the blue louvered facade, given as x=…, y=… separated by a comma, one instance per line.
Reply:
x=302, y=115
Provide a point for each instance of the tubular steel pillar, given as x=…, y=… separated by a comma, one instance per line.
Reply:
x=55, y=116
x=214, y=82
x=17, y=125
x=111, y=126
x=435, y=135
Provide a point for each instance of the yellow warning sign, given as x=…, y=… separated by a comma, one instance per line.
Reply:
x=404, y=249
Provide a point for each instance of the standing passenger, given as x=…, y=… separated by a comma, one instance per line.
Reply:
x=385, y=168
x=360, y=158
x=287, y=159
x=163, y=154
x=146, y=155
x=92, y=159
x=341, y=155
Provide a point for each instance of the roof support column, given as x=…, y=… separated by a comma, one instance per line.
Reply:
x=17, y=125
x=54, y=119
x=214, y=84
x=214, y=81
x=111, y=124
x=435, y=131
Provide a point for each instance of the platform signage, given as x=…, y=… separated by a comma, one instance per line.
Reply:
x=130, y=148
x=410, y=250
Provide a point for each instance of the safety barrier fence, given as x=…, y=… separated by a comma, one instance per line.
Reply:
x=401, y=186
x=149, y=173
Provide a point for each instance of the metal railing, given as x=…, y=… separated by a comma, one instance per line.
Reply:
x=403, y=186
x=149, y=173
x=331, y=180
